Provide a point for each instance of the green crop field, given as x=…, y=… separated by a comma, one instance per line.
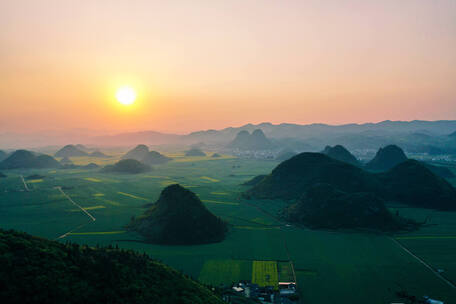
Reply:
x=219, y=272
x=331, y=267
x=285, y=272
x=264, y=273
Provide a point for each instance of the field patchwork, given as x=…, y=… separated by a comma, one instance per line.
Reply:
x=34, y=181
x=219, y=202
x=425, y=237
x=210, y=179
x=132, y=196
x=112, y=203
x=89, y=208
x=257, y=227
x=97, y=232
x=92, y=179
x=285, y=272
x=226, y=272
x=264, y=273
x=168, y=182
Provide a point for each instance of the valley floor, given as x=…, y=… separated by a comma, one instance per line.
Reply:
x=330, y=267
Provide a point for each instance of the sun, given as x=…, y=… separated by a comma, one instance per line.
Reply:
x=126, y=95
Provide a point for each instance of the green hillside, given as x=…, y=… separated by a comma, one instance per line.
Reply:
x=194, y=152
x=291, y=178
x=36, y=270
x=179, y=217
x=386, y=158
x=412, y=183
x=70, y=151
x=155, y=158
x=138, y=153
x=340, y=153
x=26, y=159
x=323, y=206
x=128, y=166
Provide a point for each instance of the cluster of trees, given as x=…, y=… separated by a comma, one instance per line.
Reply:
x=36, y=270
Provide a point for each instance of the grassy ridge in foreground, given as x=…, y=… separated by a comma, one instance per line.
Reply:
x=36, y=270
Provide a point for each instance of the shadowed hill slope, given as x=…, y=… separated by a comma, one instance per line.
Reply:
x=155, y=158
x=138, y=153
x=409, y=182
x=179, y=217
x=26, y=159
x=98, y=154
x=441, y=171
x=36, y=270
x=194, y=152
x=66, y=161
x=255, y=141
x=340, y=153
x=70, y=151
x=285, y=154
x=128, y=166
x=294, y=176
x=323, y=206
x=3, y=155
x=254, y=181
x=386, y=158
x=412, y=183
x=392, y=155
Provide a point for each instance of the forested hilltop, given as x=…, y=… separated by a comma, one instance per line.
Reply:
x=179, y=217
x=36, y=270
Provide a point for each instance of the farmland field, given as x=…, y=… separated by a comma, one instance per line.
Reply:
x=264, y=273
x=331, y=267
x=217, y=272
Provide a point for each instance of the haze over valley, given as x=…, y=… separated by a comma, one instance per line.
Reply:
x=238, y=152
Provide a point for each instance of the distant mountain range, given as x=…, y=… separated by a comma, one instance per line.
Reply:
x=411, y=135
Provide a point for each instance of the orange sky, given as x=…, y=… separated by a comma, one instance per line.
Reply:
x=212, y=64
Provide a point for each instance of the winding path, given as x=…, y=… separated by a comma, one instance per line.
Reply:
x=76, y=204
x=93, y=219
x=25, y=184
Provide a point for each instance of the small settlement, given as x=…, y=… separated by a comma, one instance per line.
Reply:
x=285, y=293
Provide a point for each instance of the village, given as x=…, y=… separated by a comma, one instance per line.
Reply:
x=284, y=293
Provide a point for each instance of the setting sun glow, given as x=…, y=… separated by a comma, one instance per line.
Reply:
x=126, y=95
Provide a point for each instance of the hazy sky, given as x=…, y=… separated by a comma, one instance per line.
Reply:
x=211, y=64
